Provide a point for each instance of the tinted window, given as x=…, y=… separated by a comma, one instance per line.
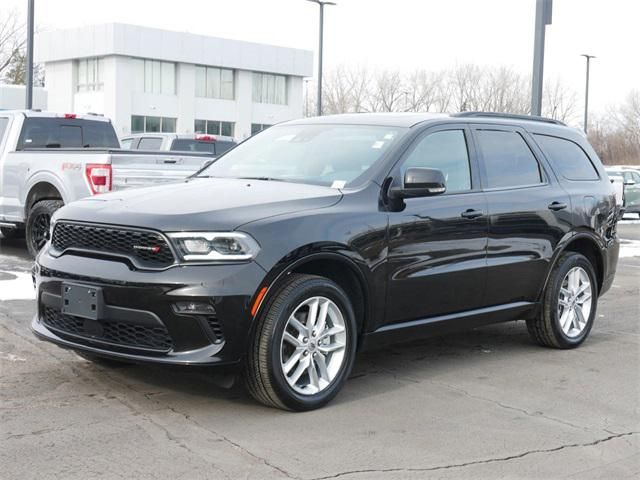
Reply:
x=66, y=133
x=508, y=161
x=70, y=136
x=192, y=145
x=150, y=143
x=567, y=158
x=222, y=146
x=3, y=127
x=446, y=151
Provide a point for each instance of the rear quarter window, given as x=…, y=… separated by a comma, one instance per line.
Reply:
x=567, y=158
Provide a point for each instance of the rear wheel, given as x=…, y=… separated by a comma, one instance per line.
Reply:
x=569, y=304
x=38, y=222
x=304, y=345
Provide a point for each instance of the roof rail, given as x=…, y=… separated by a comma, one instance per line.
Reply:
x=513, y=116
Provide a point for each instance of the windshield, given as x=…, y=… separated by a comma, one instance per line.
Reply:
x=332, y=155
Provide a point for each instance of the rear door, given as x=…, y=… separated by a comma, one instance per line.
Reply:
x=529, y=212
x=437, y=244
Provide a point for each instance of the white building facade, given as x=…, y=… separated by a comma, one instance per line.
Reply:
x=146, y=79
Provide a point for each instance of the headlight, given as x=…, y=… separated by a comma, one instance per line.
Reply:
x=199, y=246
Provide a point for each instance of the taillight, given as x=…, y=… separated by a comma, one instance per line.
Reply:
x=99, y=178
x=70, y=115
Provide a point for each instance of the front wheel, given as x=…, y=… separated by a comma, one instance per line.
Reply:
x=304, y=345
x=569, y=304
x=38, y=222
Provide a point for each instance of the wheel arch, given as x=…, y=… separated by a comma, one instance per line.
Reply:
x=585, y=243
x=335, y=266
x=42, y=190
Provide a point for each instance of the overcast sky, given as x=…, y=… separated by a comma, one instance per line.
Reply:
x=404, y=34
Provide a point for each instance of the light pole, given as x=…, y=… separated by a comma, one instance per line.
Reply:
x=586, y=90
x=543, y=18
x=29, y=72
x=321, y=3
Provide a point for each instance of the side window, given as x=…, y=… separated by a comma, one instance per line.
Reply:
x=508, y=160
x=126, y=143
x=446, y=151
x=636, y=177
x=150, y=143
x=567, y=158
x=4, y=122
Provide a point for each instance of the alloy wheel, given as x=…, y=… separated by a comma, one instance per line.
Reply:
x=312, y=349
x=40, y=230
x=574, y=302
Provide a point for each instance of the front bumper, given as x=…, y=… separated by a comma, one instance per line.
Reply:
x=138, y=321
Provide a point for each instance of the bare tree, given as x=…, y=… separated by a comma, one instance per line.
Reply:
x=387, y=91
x=12, y=40
x=423, y=90
x=558, y=101
x=616, y=135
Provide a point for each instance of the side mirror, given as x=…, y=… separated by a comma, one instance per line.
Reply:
x=420, y=182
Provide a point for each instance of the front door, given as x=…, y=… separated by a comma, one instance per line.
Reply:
x=437, y=245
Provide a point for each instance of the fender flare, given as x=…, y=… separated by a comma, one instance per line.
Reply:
x=38, y=178
x=292, y=261
x=565, y=242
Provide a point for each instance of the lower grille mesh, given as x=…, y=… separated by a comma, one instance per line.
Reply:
x=119, y=333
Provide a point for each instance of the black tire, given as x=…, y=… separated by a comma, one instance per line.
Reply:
x=11, y=233
x=38, y=222
x=545, y=329
x=104, y=361
x=264, y=376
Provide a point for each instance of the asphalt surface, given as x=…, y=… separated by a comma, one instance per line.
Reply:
x=481, y=404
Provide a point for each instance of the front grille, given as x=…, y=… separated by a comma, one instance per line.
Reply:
x=117, y=333
x=145, y=249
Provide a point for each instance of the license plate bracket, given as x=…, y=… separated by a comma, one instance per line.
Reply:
x=82, y=301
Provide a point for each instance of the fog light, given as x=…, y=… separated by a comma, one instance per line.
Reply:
x=194, y=308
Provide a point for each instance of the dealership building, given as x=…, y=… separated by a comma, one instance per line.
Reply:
x=146, y=79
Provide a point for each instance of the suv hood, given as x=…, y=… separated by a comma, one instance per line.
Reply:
x=210, y=204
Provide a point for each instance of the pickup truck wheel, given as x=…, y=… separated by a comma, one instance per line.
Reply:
x=569, y=304
x=38, y=222
x=304, y=345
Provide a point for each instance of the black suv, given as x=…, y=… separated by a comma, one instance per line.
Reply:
x=317, y=238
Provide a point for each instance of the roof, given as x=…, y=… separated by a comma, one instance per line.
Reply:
x=44, y=114
x=410, y=119
x=143, y=42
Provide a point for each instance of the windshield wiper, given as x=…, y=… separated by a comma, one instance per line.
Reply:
x=266, y=179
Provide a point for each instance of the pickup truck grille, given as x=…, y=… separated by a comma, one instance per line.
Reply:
x=145, y=249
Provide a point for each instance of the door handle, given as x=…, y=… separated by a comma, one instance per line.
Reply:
x=471, y=214
x=555, y=206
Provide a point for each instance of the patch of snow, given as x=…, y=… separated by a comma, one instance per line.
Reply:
x=629, y=248
x=18, y=288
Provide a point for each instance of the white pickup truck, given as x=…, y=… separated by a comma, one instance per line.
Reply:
x=48, y=160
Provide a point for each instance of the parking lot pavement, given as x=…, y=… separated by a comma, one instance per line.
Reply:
x=481, y=404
